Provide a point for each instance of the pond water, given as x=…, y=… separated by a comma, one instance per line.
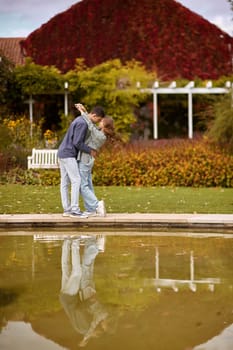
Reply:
x=155, y=291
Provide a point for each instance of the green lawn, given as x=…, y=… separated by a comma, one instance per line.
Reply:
x=37, y=199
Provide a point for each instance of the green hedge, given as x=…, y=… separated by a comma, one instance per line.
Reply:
x=159, y=163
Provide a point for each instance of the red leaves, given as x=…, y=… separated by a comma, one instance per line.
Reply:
x=159, y=33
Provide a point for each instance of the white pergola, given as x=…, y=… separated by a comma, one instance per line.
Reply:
x=30, y=102
x=189, y=90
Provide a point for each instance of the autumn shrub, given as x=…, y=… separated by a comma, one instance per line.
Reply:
x=18, y=175
x=18, y=137
x=164, y=163
x=22, y=132
x=178, y=163
x=49, y=177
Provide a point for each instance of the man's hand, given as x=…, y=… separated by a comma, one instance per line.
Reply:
x=93, y=153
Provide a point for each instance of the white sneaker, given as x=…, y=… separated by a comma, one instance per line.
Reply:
x=101, y=211
x=66, y=213
x=100, y=241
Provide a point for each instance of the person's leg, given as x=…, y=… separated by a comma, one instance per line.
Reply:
x=75, y=180
x=90, y=252
x=64, y=187
x=65, y=263
x=86, y=189
x=90, y=183
x=73, y=284
x=87, y=284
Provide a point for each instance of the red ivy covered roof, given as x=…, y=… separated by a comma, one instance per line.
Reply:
x=11, y=49
x=162, y=34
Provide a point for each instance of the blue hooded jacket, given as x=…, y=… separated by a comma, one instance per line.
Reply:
x=74, y=139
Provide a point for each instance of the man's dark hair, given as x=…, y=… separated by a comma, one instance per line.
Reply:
x=99, y=111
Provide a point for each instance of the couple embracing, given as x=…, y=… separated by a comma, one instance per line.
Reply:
x=76, y=155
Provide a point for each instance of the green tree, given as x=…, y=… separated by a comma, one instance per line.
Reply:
x=112, y=85
x=35, y=79
x=6, y=76
x=221, y=127
x=32, y=79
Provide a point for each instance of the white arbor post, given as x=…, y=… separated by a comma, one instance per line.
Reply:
x=155, y=109
x=30, y=102
x=155, y=114
x=190, y=115
x=189, y=89
x=66, y=86
x=189, y=86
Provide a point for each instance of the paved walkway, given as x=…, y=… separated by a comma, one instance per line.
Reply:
x=136, y=220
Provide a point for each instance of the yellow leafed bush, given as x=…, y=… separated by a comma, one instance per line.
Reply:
x=164, y=163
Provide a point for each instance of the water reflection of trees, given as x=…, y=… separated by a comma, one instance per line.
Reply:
x=7, y=297
x=120, y=272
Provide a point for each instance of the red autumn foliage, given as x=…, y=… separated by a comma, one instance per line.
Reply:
x=164, y=35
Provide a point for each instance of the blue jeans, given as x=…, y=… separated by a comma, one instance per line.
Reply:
x=71, y=267
x=69, y=177
x=77, y=275
x=87, y=189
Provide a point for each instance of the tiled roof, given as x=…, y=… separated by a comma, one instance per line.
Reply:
x=10, y=48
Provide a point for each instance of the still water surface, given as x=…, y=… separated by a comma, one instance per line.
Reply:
x=132, y=291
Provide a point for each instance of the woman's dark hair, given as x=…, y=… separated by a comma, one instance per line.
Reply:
x=108, y=126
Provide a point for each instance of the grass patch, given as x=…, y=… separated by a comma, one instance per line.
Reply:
x=22, y=199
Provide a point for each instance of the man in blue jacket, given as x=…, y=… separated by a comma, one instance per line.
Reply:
x=73, y=142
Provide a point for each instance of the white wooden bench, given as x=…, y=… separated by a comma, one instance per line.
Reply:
x=43, y=159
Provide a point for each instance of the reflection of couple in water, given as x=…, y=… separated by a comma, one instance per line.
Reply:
x=78, y=295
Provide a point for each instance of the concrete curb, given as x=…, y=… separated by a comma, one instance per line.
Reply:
x=126, y=221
